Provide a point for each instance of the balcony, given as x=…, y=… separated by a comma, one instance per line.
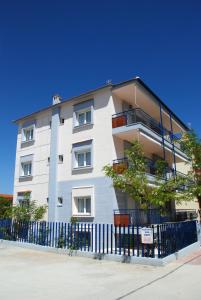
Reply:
x=138, y=116
x=143, y=217
x=133, y=116
x=120, y=165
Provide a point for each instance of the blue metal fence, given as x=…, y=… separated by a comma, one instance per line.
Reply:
x=102, y=238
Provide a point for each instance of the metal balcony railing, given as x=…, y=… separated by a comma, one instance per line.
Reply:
x=137, y=115
x=120, y=165
x=140, y=217
x=143, y=217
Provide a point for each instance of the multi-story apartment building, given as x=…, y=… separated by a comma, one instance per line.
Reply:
x=61, y=150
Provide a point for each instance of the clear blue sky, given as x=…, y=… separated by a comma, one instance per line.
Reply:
x=69, y=47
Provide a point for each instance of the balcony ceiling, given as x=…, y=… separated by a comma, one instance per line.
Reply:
x=138, y=97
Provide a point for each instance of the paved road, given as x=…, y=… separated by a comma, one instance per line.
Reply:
x=28, y=275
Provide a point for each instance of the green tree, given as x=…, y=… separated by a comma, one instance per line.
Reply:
x=191, y=145
x=26, y=210
x=5, y=204
x=133, y=181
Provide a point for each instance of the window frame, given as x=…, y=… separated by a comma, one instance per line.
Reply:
x=84, y=112
x=22, y=169
x=21, y=200
x=76, y=160
x=83, y=108
x=79, y=148
x=26, y=129
x=83, y=192
x=25, y=160
x=84, y=198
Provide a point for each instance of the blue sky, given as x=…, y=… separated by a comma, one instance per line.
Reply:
x=69, y=47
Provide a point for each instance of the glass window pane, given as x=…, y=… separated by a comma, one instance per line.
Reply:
x=29, y=169
x=81, y=118
x=88, y=205
x=80, y=159
x=88, y=158
x=26, y=169
x=28, y=134
x=88, y=117
x=31, y=134
x=80, y=205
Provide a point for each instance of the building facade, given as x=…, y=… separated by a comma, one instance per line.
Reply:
x=62, y=149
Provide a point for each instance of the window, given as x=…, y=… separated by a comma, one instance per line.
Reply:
x=60, y=201
x=62, y=121
x=28, y=134
x=83, y=205
x=83, y=201
x=61, y=158
x=83, y=158
x=83, y=118
x=26, y=168
x=23, y=198
x=82, y=155
x=83, y=113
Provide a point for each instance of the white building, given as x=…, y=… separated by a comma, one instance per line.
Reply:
x=62, y=149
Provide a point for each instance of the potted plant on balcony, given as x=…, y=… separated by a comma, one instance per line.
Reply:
x=119, y=120
x=120, y=166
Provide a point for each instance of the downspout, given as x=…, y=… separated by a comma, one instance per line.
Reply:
x=173, y=149
x=161, y=122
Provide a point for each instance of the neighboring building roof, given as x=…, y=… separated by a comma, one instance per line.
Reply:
x=6, y=196
x=112, y=86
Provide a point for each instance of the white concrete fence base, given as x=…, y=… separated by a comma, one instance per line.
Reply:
x=111, y=257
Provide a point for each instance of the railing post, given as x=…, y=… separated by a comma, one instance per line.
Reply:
x=138, y=241
x=95, y=238
x=111, y=244
x=158, y=241
x=128, y=241
x=119, y=239
x=107, y=237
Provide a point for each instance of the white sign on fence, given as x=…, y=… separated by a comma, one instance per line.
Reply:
x=147, y=235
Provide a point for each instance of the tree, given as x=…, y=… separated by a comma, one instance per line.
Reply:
x=5, y=204
x=26, y=211
x=133, y=180
x=191, y=145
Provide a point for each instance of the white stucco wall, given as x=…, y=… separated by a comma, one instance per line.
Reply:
x=40, y=150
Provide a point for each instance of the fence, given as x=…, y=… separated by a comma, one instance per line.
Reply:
x=103, y=238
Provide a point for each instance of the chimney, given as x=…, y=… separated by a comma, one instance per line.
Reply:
x=56, y=99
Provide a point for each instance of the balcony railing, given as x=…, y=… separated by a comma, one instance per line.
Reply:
x=143, y=217
x=137, y=115
x=120, y=165
x=136, y=217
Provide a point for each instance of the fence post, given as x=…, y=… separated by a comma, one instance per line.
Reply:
x=158, y=241
x=112, y=237
x=138, y=241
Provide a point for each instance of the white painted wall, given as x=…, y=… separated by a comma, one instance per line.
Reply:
x=100, y=132
x=40, y=150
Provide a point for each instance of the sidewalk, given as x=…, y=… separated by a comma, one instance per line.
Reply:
x=28, y=274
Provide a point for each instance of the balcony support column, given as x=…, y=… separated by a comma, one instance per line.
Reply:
x=161, y=121
x=173, y=150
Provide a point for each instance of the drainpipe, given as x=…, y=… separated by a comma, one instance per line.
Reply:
x=52, y=189
x=173, y=149
x=161, y=121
